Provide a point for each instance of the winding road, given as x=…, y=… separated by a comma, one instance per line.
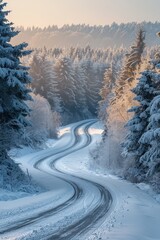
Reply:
x=84, y=208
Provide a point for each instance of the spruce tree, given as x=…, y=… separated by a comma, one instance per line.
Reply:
x=66, y=86
x=52, y=92
x=92, y=86
x=80, y=93
x=110, y=77
x=36, y=72
x=14, y=79
x=134, y=147
x=44, y=80
x=132, y=64
x=150, y=160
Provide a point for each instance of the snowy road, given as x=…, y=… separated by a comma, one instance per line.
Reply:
x=65, y=212
x=77, y=204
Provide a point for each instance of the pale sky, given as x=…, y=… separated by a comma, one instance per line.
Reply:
x=94, y=12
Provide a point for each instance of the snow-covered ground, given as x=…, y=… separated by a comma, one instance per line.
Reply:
x=135, y=215
x=75, y=195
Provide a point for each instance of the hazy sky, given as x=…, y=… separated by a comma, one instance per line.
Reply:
x=49, y=12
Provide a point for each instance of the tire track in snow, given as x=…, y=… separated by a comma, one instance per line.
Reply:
x=98, y=213
x=88, y=221
x=77, y=191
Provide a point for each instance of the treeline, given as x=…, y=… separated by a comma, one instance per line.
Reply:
x=71, y=83
x=71, y=79
x=114, y=35
x=130, y=109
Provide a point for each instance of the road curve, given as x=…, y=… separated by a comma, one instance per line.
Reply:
x=82, y=188
x=97, y=214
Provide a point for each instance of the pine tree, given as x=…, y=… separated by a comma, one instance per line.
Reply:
x=132, y=64
x=66, y=85
x=150, y=160
x=110, y=77
x=80, y=93
x=45, y=81
x=14, y=79
x=36, y=71
x=134, y=147
x=92, y=86
x=123, y=97
x=51, y=91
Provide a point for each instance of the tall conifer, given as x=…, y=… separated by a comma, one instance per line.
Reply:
x=14, y=79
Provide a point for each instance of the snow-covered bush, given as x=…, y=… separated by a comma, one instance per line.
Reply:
x=44, y=123
x=105, y=157
x=13, y=179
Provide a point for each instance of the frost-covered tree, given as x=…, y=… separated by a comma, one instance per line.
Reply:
x=44, y=123
x=123, y=98
x=106, y=93
x=150, y=160
x=134, y=147
x=66, y=85
x=36, y=73
x=80, y=93
x=44, y=80
x=92, y=85
x=110, y=77
x=132, y=64
x=14, y=79
x=52, y=92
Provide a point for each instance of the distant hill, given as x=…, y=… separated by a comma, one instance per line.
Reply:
x=82, y=35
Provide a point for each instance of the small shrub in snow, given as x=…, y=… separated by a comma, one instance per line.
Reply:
x=13, y=179
x=44, y=123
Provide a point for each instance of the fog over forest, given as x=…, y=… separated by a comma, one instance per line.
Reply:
x=103, y=37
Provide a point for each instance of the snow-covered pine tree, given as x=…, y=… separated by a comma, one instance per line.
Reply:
x=92, y=85
x=36, y=68
x=66, y=86
x=150, y=160
x=98, y=70
x=123, y=98
x=106, y=93
x=110, y=77
x=80, y=93
x=45, y=81
x=134, y=147
x=14, y=79
x=52, y=92
x=132, y=64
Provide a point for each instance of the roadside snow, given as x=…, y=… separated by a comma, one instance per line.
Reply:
x=59, y=191
x=14, y=183
x=17, y=185
x=6, y=195
x=148, y=189
x=135, y=215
